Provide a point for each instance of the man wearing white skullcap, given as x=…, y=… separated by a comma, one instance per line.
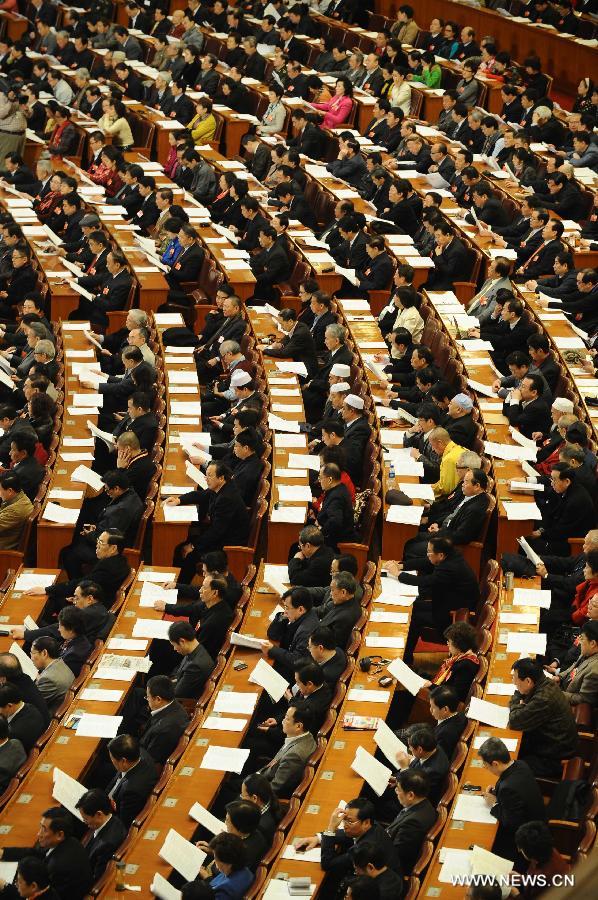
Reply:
x=340, y=371
x=460, y=423
x=246, y=398
x=357, y=434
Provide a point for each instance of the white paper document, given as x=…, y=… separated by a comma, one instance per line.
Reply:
x=151, y=628
x=396, y=618
x=526, y=642
x=182, y=855
x=163, y=890
x=27, y=580
x=224, y=723
x=362, y=695
x=522, y=512
x=532, y=597
x=406, y=676
x=149, y=575
x=309, y=856
x=371, y=770
x=268, y=678
x=101, y=695
x=246, y=640
x=276, y=423
x=388, y=742
x=224, y=759
x=205, y=818
x=180, y=513
x=235, y=702
x=26, y=663
x=290, y=514
x=385, y=643
x=294, y=492
x=472, y=808
x=87, y=476
x=94, y=725
x=67, y=791
x=405, y=515
x=489, y=713
x=61, y=515
x=510, y=743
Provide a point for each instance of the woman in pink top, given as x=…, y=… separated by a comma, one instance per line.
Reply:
x=337, y=109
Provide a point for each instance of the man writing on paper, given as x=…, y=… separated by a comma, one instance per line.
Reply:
x=106, y=831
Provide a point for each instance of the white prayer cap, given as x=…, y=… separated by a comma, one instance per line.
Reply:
x=561, y=404
x=340, y=370
x=354, y=401
x=239, y=378
x=340, y=387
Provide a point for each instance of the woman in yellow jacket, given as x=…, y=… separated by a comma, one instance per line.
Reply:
x=114, y=122
x=203, y=125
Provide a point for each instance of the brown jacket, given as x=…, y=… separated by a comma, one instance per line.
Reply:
x=13, y=515
x=580, y=681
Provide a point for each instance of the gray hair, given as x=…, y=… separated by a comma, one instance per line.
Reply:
x=469, y=459
x=45, y=165
x=251, y=40
x=46, y=347
x=143, y=331
x=165, y=76
x=476, y=116
x=140, y=317
x=40, y=331
x=345, y=582
x=337, y=331
x=82, y=73
x=229, y=347
x=128, y=439
x=63, y=34
x=543, y=112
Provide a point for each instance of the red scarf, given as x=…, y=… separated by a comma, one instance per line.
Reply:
x=444, y=672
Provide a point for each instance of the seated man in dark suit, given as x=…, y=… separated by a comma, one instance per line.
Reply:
x=12, y=674
x=376, y=274
x=450, y=260
x=285, y=770
x=106, y=831
x=507, y=332
x=111, y=296
x=135, y=778
x=26, y=722
x=135, y=461
x=187, y=266
x=425, y=756
x=310, y=565
x=371, y=864
x=417, y=816
x=297, y=343
x=108, y=572
x=450, y=721
x=67, y=861
x=462, y=525
x=12, y=754
x=24, y=464
x=526, y=410
x=192, y=673
x=33, y=879
x=270, y=266
x=223, y=519
x=339, y=845
x=167, y=721
x=290, y=629
x=75, y=647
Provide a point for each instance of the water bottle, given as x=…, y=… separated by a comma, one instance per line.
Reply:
x=391, y=471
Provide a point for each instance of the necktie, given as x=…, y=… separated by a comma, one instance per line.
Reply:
x=533, y=256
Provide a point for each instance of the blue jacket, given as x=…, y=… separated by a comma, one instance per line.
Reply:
x=233, y=886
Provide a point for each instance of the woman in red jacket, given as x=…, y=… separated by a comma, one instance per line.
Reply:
x=586, y=590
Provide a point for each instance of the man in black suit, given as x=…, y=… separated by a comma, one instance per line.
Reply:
x=136, y=462
x=567, y=512
x=304, y=136
x=526, y=410
x=223, y=507
x=135, y=778
x=341, y=611
x=167, y=720
x=210, y=613
x=349, y=165
x=508, y=332
x=450, y=721
x=372, y=79
x=462, y=525
x=450, y=260
x=108, y=572
x=290, y=629
x=193, y=671
x=16, y=172
x=516, y=797
x=270, y=266
x=371, y=864
x=148, y=213
x=541, y=261
x=310, y=565
x=208, y=78
x=113, y=295
x=339, y=845
x=356, y=436
x=207, y=355
x=182, y=108
x=351, y=252
x=460, y=423
x=106, y=831
x=24, y=464
x=68, y=863
x=254, y=222
x=488, y=208
x=255, y=64
x=97, y=620
x=12, y=755
x=297, y=343
x=12, y=674
x=544, y=363
x=293, y=203
x=187, y=266
x=318, y=317
x=450, y=585
x=409, y=829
